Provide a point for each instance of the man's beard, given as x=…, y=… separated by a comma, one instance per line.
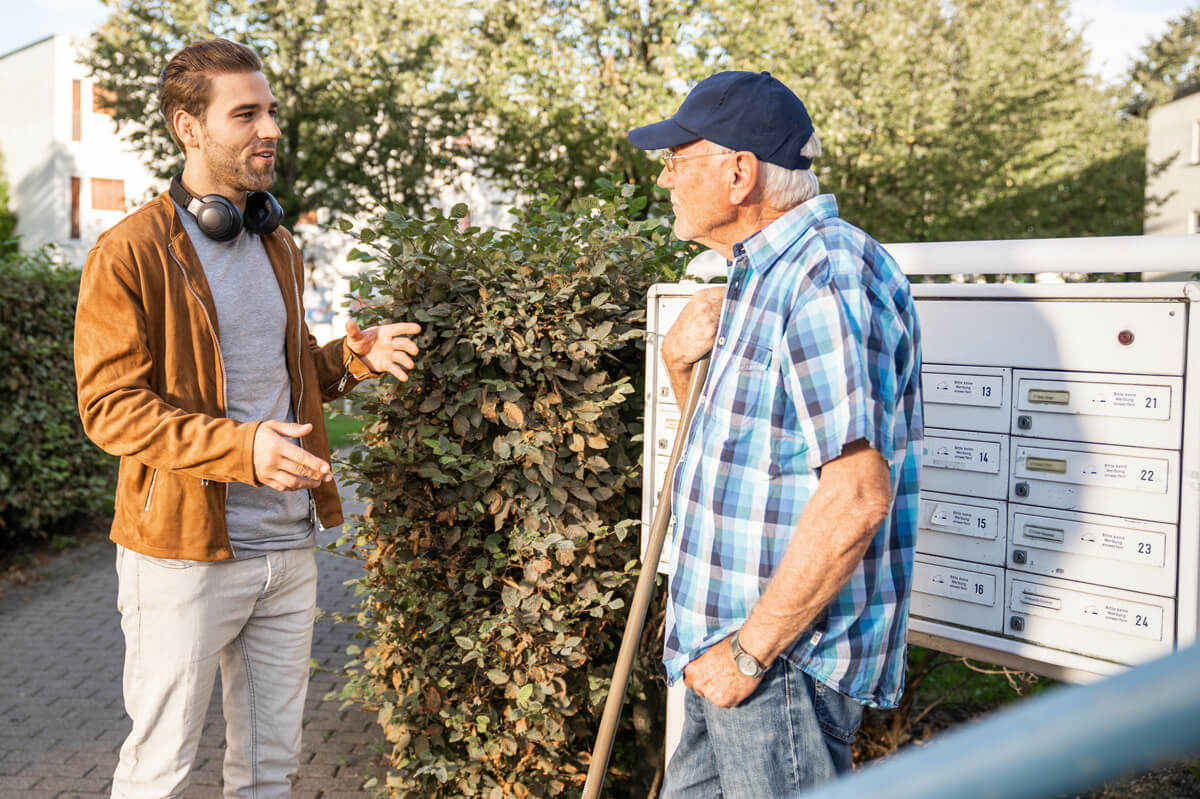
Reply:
x=229, y=168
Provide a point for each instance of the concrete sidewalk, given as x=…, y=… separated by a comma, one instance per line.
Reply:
x=62, y=720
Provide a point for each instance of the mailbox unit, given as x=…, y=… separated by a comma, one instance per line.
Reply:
x=1100, y=486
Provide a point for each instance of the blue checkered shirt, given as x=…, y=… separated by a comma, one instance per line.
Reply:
x=818, y=346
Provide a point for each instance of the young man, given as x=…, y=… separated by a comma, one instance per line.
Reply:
x=195, y=365
x=795, y=502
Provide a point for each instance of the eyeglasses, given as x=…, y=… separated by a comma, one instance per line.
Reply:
x=670, y=158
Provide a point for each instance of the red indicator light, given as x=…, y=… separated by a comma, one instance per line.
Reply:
x=1125, y=337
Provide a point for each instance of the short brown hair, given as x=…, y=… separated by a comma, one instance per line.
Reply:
x=185, y=83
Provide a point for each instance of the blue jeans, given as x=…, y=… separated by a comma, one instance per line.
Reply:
x=791, y=733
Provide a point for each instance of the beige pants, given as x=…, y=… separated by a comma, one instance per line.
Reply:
x=182, y=619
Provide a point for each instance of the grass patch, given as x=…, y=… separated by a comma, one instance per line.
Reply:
x=341, y=429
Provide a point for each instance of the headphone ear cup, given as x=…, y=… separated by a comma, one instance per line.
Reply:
x=218, y=218
x=263, y=212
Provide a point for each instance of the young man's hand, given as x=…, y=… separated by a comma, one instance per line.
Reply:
x=282, y=465
x=385, y=348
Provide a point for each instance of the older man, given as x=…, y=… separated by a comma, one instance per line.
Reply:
x=795, y=502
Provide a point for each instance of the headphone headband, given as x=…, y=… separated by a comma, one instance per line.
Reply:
x=219, y=219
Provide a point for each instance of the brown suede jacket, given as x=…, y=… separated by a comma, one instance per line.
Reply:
x=152, y=384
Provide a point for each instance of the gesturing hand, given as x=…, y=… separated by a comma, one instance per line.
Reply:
x=385, y=348
x=282, y=465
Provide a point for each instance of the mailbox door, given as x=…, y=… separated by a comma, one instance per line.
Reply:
x=1108, y=623
x=967, y=463
x=1104, y=550
x=971, y=529
x=967, y=397
x=1115, y=481
x=1129, y=410
x=957, y=592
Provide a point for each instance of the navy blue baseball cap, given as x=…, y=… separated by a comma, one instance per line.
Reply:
x=749, y=111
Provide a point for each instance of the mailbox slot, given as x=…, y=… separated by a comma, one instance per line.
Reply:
x=1121, y=553
x=1099, y=408
x=967, y=397
x=1130, y=482
x=959, y=527
x=955, y=592
x=1108, y=623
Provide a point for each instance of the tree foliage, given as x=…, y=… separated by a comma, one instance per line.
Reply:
x=1167, y=64
x=940, y=120
x=501, y=540
x=360, y=119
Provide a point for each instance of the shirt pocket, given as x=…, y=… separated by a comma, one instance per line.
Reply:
x=750, y=389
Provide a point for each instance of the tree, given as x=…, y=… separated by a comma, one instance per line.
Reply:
x=939, y=120
x=362, y=124
x=1167, y=64
x=8, y=220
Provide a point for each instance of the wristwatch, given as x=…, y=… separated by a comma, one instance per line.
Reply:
x=744, y=661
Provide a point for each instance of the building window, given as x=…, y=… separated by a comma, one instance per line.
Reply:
x=75, y=185
x=76, y=110
x=108, y=195
x=103, y=100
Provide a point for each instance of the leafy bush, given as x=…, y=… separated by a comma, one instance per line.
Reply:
x=501, y=540
x=49, y=470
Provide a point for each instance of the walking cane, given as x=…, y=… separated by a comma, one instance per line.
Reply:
x=602, y=750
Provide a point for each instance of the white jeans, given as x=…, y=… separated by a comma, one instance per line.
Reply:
x=181, y=619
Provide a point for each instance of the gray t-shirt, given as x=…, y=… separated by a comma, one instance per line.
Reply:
x=252, y=322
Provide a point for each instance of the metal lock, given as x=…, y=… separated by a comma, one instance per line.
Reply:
x=664, y=444
x=1021, y=489
x=1024, y=422
x=665, y=391
x=1019, y=556
x=1016, y=623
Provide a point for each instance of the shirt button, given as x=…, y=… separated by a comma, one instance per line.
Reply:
x=721, y=341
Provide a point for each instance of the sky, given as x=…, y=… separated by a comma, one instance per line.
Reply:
x=1115, y=29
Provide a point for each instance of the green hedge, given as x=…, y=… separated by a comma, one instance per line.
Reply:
x=504, y=489
x=49, y=471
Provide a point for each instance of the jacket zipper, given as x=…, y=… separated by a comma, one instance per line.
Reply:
x=150, y=493
x=216, y=343
x=312, y=501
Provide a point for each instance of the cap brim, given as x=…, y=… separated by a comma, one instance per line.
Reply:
x=661, y=136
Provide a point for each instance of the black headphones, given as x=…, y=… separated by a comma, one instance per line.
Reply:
x=220, y=219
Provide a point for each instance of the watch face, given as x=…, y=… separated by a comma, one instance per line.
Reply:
x=747, y=665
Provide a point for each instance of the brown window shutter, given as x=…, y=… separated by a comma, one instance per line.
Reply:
x=75, y=185
x=108, y=195
x=76, y=110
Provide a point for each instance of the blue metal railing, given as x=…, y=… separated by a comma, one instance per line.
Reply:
x=1065, y=741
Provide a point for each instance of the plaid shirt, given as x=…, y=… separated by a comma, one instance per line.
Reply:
x=818, y=346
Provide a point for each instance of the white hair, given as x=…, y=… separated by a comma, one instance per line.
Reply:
x=784, y=188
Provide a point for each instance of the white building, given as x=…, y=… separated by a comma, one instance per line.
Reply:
x=1174, y=137
x=70, y=175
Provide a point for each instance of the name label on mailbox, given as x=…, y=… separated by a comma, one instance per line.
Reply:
x=1092, y=610
x=960, y=584
x=1093, y=468
x=1144, y=547
x=1095, y=399
x=949, y=517
x=963, y=454
x=959, y=389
